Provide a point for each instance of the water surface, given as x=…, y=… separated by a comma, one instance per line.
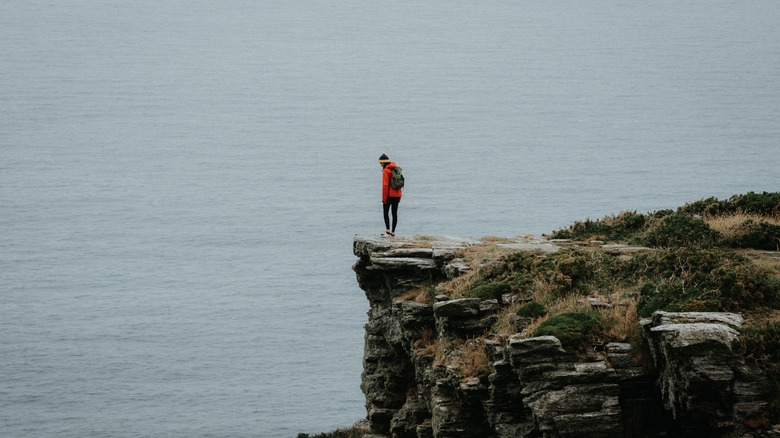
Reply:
x=180, y=181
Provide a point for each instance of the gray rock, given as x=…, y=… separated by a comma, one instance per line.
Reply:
x=521, y=322
x=487, y=306
x=442, y=255
x=464, y=307
x=404, y=423
x=455, y=269
x=425, y=430
x=696, y=336
x=704, y=383
x=407, y=252
x=594, y=303
x=383, y=263
x=534, y=246
x=534, y=356
x=662, y=318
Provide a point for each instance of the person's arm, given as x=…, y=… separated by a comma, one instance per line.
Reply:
x=385, y=184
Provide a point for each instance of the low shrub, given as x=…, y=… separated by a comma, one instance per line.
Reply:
x=765, y=203
x=623, y=227
x=667, y=228
x=573, y=329
x=752, y=234
x=697, y=279
x=680, y=230
x=675, y=297
x=531, y=309
x=760, y=342
x=514, y=269
x=568, y=270
x=488, y=291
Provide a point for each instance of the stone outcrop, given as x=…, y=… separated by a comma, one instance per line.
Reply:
x=703, y=382
x=694, y=386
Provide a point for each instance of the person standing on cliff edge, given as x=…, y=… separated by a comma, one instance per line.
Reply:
x=390, y=196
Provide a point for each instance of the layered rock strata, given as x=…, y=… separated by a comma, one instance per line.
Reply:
x=694, y=386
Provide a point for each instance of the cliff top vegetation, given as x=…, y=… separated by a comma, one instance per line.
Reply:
x=709, y=255
x=742, y=221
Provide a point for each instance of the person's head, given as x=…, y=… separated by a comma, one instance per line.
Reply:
x=384, y=160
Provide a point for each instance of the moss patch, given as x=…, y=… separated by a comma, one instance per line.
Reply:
x=573, y=329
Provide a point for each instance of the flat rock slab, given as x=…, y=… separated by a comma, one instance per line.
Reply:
x=532, y=245
x=442, y=246
x=365, y=244
x=402, y=263
x=662, y=318
x=691, y=335
x=406, y=252
x=463, y=307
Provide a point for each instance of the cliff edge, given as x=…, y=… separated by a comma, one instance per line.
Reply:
x=438, y=367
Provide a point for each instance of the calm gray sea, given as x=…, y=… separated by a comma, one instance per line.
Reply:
x=180, y=181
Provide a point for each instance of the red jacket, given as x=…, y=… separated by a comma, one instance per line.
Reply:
x=386, y=189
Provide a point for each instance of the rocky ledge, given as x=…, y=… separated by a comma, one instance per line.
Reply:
x=692, y=385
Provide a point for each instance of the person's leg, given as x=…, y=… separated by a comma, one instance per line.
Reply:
x=386, y=211
x=395, y=213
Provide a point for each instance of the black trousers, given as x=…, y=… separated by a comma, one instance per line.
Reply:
x=392, y=202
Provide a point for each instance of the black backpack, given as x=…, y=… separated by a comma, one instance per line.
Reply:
x=397, y=178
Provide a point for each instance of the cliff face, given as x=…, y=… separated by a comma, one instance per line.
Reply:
x=695, y=385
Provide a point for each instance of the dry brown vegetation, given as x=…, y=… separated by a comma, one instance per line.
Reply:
x=466, y=355
x=504, y=324
x=496, y=239
x=471, y=358
x=424, y=237
x=476, y=255
x=427, y=339
x=410, y=296
x=728, y=224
